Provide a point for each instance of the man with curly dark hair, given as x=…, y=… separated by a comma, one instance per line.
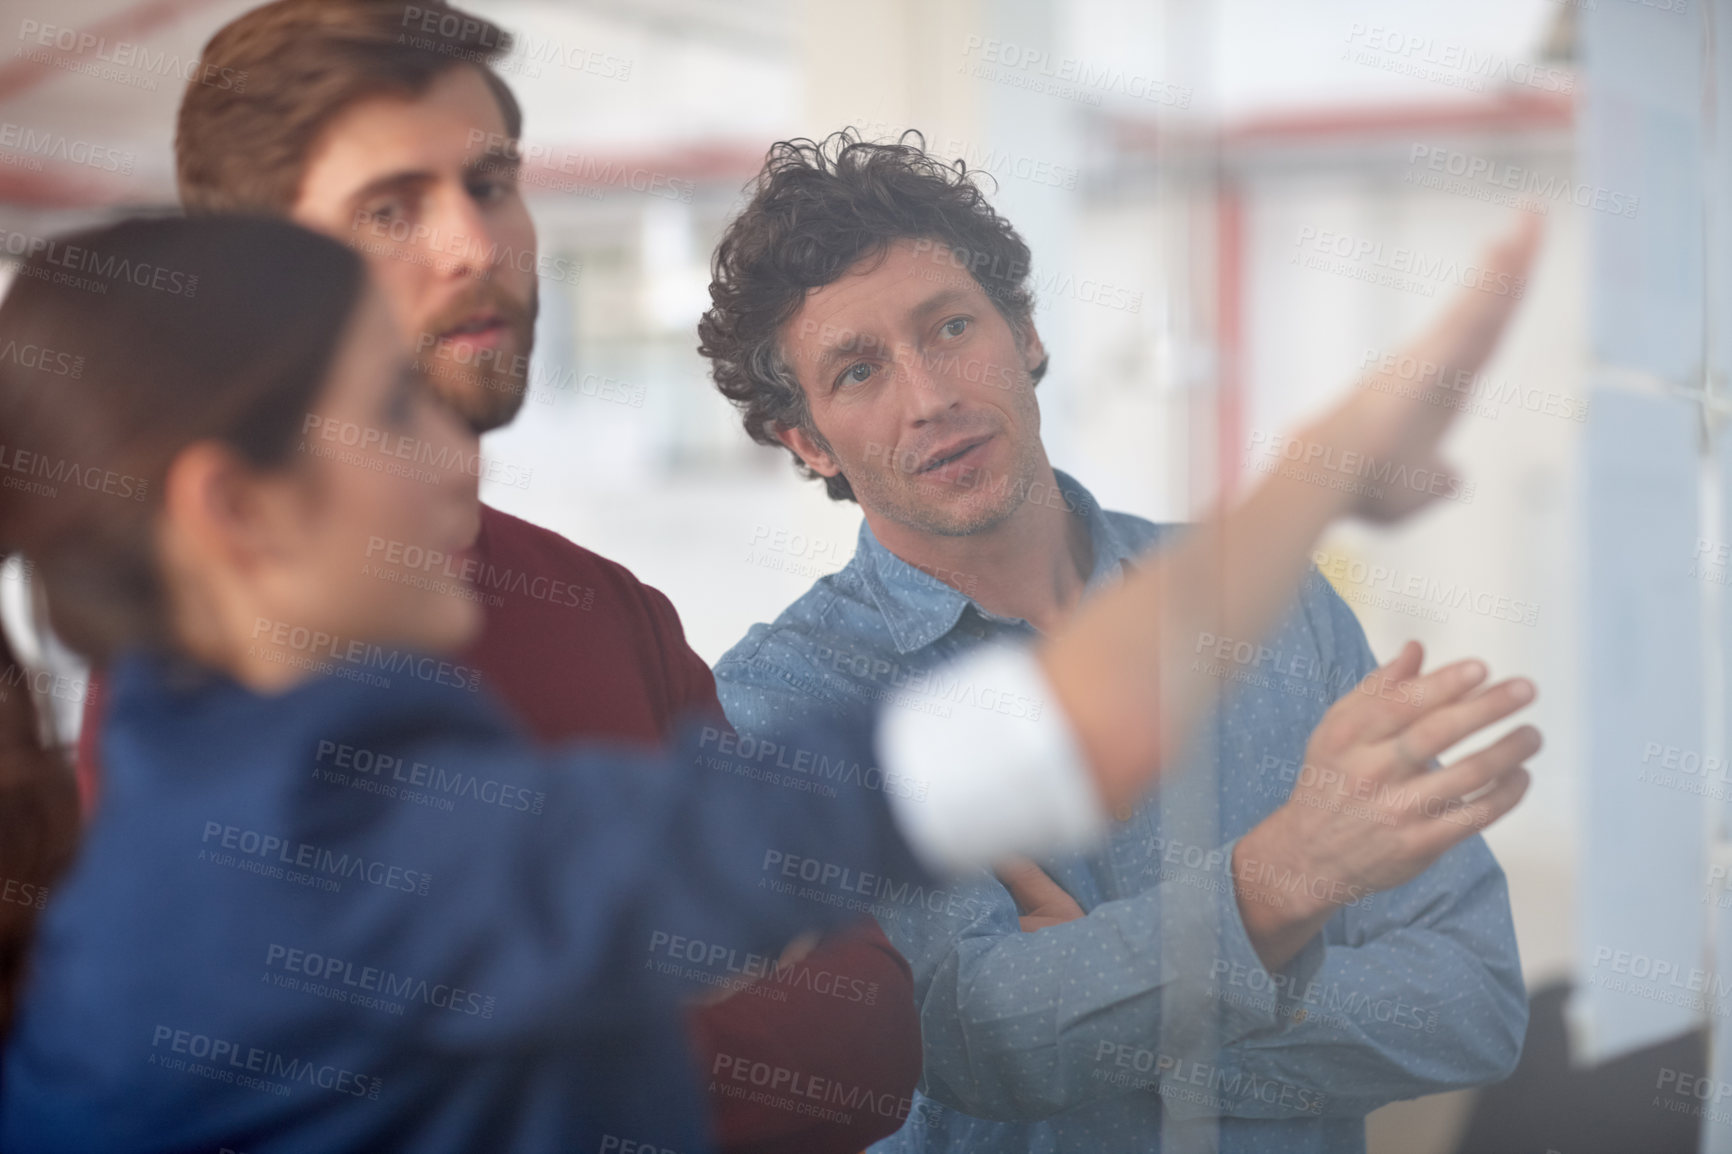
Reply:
x=1206, y=979
x=790, y=244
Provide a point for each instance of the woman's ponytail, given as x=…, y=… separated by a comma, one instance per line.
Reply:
x=39, y=822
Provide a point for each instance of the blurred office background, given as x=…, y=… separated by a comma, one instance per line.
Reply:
x=1233, y=206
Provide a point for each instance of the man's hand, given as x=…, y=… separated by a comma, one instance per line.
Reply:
x=1368, y=813
x=1041, y=901
x=1401, y=416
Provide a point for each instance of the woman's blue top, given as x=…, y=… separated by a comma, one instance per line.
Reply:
x=353, y=917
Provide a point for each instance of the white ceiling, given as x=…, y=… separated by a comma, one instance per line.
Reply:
x=727, y=71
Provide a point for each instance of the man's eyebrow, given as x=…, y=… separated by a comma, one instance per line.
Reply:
x=855, y=344
x=486, y=163
x=941, y=300
x=494, y=160
x=391, y=181
x=850, y=346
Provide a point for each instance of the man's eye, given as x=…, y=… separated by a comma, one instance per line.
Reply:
x=856, y=374
x=955, y=326
x=383, y=211
x=489, y=191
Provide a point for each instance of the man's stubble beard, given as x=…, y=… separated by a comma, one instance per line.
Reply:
x=488, y=397
x=888, y=497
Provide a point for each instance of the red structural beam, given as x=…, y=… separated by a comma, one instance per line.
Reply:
x=23, y=73
x=1515, y=110
x=1229, y=336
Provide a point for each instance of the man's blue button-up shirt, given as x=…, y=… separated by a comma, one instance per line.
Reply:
x=1149, y=1023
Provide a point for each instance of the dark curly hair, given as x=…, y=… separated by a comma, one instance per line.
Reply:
x=817, y=209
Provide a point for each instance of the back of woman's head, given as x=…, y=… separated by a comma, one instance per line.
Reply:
x=120, y=347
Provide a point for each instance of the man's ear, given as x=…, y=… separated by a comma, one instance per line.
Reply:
x=806, y=447
x=1033, y=352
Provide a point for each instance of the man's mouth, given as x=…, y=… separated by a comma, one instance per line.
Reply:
x=480, y=329
x=952, y=454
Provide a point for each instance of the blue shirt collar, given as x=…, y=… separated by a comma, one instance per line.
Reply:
x=919, y=609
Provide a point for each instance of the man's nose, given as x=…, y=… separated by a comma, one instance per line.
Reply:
x=469, y=246
x=929, y=386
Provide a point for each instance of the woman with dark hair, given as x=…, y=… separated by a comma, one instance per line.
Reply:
x=322, y=912
x=331, y=899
